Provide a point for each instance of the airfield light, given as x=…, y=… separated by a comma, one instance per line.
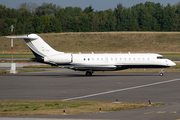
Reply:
x=99, y=109
x=149, y=103
x=64, y=112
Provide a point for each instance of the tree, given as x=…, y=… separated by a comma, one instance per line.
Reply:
x=47, y=9
x=119, y=16
x=6, y=29
x=168, y=16
x=111, y=20
x=19, y=27
x=60, y=15
x=176, y=23
x=31, y=7
x=45, y=26
x=88, y=10
x=37, y=24
x=55, y=25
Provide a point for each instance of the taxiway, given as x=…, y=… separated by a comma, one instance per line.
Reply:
x=139, y=87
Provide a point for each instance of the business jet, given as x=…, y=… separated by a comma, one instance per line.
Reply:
x=92, y=62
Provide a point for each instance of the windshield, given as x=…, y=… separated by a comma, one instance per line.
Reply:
x=161, y=57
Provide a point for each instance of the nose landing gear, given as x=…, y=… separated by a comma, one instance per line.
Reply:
x=161, y=73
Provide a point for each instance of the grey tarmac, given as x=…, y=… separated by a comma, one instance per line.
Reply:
x=58, y=85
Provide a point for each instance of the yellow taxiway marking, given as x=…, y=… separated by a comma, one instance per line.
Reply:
x=173, y=112
x=149, y=112
x=161, y=112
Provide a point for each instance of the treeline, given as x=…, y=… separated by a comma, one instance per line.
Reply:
x=49, y=18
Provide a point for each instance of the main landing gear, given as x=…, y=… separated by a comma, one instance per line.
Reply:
x=89, y=73
x=161, y=73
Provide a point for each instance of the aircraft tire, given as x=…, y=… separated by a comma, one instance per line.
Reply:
x=88, y=73
x=161, y=74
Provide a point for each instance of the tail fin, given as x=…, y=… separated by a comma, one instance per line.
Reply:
x=37, y=45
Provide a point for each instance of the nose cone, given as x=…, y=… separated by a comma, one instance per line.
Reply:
x=171, y=63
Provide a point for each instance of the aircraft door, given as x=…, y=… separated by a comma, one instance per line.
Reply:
x=106, y=59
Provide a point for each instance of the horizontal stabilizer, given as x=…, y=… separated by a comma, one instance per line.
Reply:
x=23, y=37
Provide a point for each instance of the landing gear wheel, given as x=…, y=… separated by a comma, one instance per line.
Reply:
x=161, y=74
x=88, y=73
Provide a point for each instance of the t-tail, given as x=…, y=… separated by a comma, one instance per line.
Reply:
x=41, y=50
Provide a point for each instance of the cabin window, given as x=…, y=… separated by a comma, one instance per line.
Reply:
x=160, y=57
x=111, y=59
x=116, y=59
x=120, y=59
x=143, y=59
x=106, y=59
x=97, y=59
x=139, y=59
x=92, y=59
x=101, y=59
x=84, y=59
x=129, y=59
x=134, y=59
x=125, y=59
x=148, y=59
x=88, y=59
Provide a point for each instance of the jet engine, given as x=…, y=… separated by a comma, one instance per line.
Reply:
x=59, y=59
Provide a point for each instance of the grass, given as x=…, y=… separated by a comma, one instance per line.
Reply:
x=177, y=65
x=22, y=71
x=50, y=107
x=17, y=56
x=100, y=42
x=2, y=72
x=172, y=55
x=14, y=61
x=41, y=66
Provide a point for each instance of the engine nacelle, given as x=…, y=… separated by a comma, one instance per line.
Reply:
x=59, y=59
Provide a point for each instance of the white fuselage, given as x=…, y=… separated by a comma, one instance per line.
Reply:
x=119, y=61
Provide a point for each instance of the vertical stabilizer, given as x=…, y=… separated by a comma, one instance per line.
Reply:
x=37, y=45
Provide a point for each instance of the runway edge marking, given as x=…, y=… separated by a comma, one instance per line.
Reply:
x=124, y=89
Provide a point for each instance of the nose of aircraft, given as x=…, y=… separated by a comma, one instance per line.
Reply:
x=171, y=63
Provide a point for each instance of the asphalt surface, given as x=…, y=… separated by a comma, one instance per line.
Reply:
x=58, y=85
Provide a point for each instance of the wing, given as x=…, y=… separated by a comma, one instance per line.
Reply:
x=90, y=67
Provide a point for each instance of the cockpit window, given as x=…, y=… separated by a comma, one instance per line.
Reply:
x=161, y=57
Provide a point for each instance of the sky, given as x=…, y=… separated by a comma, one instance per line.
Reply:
x=96, y=4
